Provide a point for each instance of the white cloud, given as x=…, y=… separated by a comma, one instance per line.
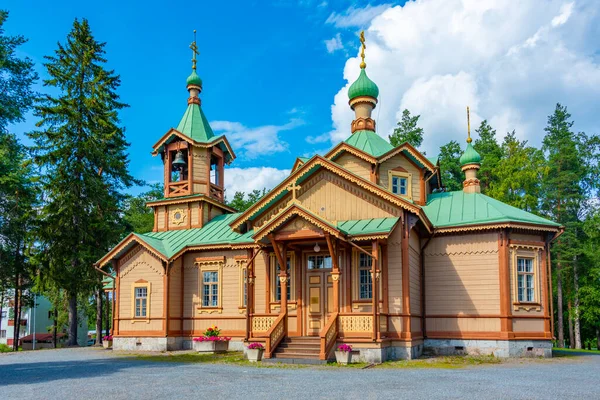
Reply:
x=511, y=62
x=356, y=16
x=247, y=179
x=252, y=142
x=334, y=44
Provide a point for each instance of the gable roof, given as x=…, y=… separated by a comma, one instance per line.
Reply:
x=194, y=124
x=304, y=172
x=460, y=209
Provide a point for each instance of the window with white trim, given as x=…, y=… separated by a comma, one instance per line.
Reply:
x=210, y=289
x=399, y=183
x=141, y=301
x=319, y=262
x=525, y=280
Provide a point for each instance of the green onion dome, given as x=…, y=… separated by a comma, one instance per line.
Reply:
x=363, y=86
x=194, y=79
x=470, y=156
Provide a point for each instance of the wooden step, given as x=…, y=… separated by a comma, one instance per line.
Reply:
x=298, y=346
x=297, y=355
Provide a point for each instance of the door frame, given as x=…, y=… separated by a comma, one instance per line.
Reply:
x=325, y=285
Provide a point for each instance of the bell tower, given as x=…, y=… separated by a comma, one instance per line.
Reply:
x=194, y=162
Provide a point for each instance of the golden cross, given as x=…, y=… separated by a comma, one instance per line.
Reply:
x=293, y=187
x=363, y=65
x=194, y=51
x=469, y=140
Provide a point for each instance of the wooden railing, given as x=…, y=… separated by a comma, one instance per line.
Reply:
x=329, y=336
x=355, y=324
x=216, y=192
x=275, y=334
x=179, y=188
x=261, y=323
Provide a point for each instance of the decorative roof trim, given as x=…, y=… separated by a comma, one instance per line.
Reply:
x=479, y=227
x=329, y=165
x=343, y=146
x=412, y=151
x=225, y=246
x=214, y=142
x=186, y=199
x=297, y=164
x=132, y=237
x=295, y=210
x=370, y=236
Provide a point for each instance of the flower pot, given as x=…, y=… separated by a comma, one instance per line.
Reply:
x=255, y=355
x=211, y=346
x=107, y=344
x=343, y=357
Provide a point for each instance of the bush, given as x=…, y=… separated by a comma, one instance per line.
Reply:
x=4, y=348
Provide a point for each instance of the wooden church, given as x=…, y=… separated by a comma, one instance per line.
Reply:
x=359, y=246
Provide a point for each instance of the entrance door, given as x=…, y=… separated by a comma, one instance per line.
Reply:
x=318, y=292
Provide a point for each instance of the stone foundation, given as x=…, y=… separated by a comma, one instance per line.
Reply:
x=498, y=348
x=386, y=353
x=163, y=344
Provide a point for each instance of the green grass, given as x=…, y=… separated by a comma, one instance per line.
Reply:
x=576, y=350
x=229, y=358
x=445, y=362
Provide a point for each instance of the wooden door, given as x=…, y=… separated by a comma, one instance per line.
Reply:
x=318, y=292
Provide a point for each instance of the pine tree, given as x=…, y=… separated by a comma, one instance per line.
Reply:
x=490, y=152
x=407, y=131
x=452, y=175
x=82, y=150
x=572, y=175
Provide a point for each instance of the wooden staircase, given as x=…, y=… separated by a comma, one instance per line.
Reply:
x=298, y=350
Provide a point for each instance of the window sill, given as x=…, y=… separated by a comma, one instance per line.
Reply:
x=210, y=310
x=527, y=306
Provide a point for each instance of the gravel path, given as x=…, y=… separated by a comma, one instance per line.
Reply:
x=95, y=373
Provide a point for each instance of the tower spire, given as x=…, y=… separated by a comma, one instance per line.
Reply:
x=469, y=140
x=470, y=162
x=363, y=64
x=194, y=48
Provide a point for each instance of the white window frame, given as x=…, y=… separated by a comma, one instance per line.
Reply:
x=210, y=264
x=141, y=284
x=533, y=254
x=401, y=175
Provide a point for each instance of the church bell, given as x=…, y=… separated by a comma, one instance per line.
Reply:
x=179, y=163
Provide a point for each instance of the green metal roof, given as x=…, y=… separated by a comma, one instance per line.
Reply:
x=434, y=160
x=194, y=124
x=470, y=156
x=367, y=226
x=369, y=142
x=108, y=283
x=304, y=159
x=460, y=209
x=363, y=86
x=216, y=231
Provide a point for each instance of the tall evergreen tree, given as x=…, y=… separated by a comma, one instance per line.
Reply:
x=452, y=175
x=490, y=152
x=17, y=189
x=81, y=149
x=241, y=201
x=517, y=174
x=407, y=131
x=572, y=176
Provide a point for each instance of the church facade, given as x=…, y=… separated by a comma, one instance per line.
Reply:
x=359, y=246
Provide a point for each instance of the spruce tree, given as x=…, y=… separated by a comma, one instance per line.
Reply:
x=407, y=131
x=81, y=148
x=490, y=152
x=450, y=168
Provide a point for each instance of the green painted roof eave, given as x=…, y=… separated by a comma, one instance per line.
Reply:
x=369, y=142
x=194, y=124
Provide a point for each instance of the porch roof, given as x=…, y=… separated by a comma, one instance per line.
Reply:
x=108, y=283
x=360, y=227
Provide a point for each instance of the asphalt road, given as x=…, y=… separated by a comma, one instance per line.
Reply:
x=98, y=374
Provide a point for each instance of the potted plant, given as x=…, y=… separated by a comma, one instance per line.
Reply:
x=343, y=354
x=255, y=351
x=211, y=342
x=107, y=341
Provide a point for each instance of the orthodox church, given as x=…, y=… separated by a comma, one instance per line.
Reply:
x=360, y=246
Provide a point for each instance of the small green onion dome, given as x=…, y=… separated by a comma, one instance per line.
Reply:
x=470, y=156
x=194, y=79
x=363, y=86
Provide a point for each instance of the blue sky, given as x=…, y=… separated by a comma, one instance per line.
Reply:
x=276, y=73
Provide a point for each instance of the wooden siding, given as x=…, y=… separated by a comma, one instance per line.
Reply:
x=462, y=275
x=463, y=325
x=395, y=272
x=355, y=165
x=399, y=160
x=260, y=288
x=415, y=274
x=141, y=267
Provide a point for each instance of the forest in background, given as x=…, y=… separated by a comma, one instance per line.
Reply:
x=63, y=201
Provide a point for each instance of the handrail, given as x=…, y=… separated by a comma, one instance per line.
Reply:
x=275, y=334
x=328, y=336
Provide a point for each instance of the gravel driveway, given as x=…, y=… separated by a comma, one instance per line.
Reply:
x=98, y=374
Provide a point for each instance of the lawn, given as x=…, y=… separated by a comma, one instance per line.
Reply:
x=237, y=358
x=576, y=350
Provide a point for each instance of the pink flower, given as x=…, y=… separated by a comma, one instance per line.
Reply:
x=256, y=345
x=345, y=348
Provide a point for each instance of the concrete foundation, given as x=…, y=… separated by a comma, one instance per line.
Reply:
x=387, y=353
x=498, y=348
x=164, y=344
